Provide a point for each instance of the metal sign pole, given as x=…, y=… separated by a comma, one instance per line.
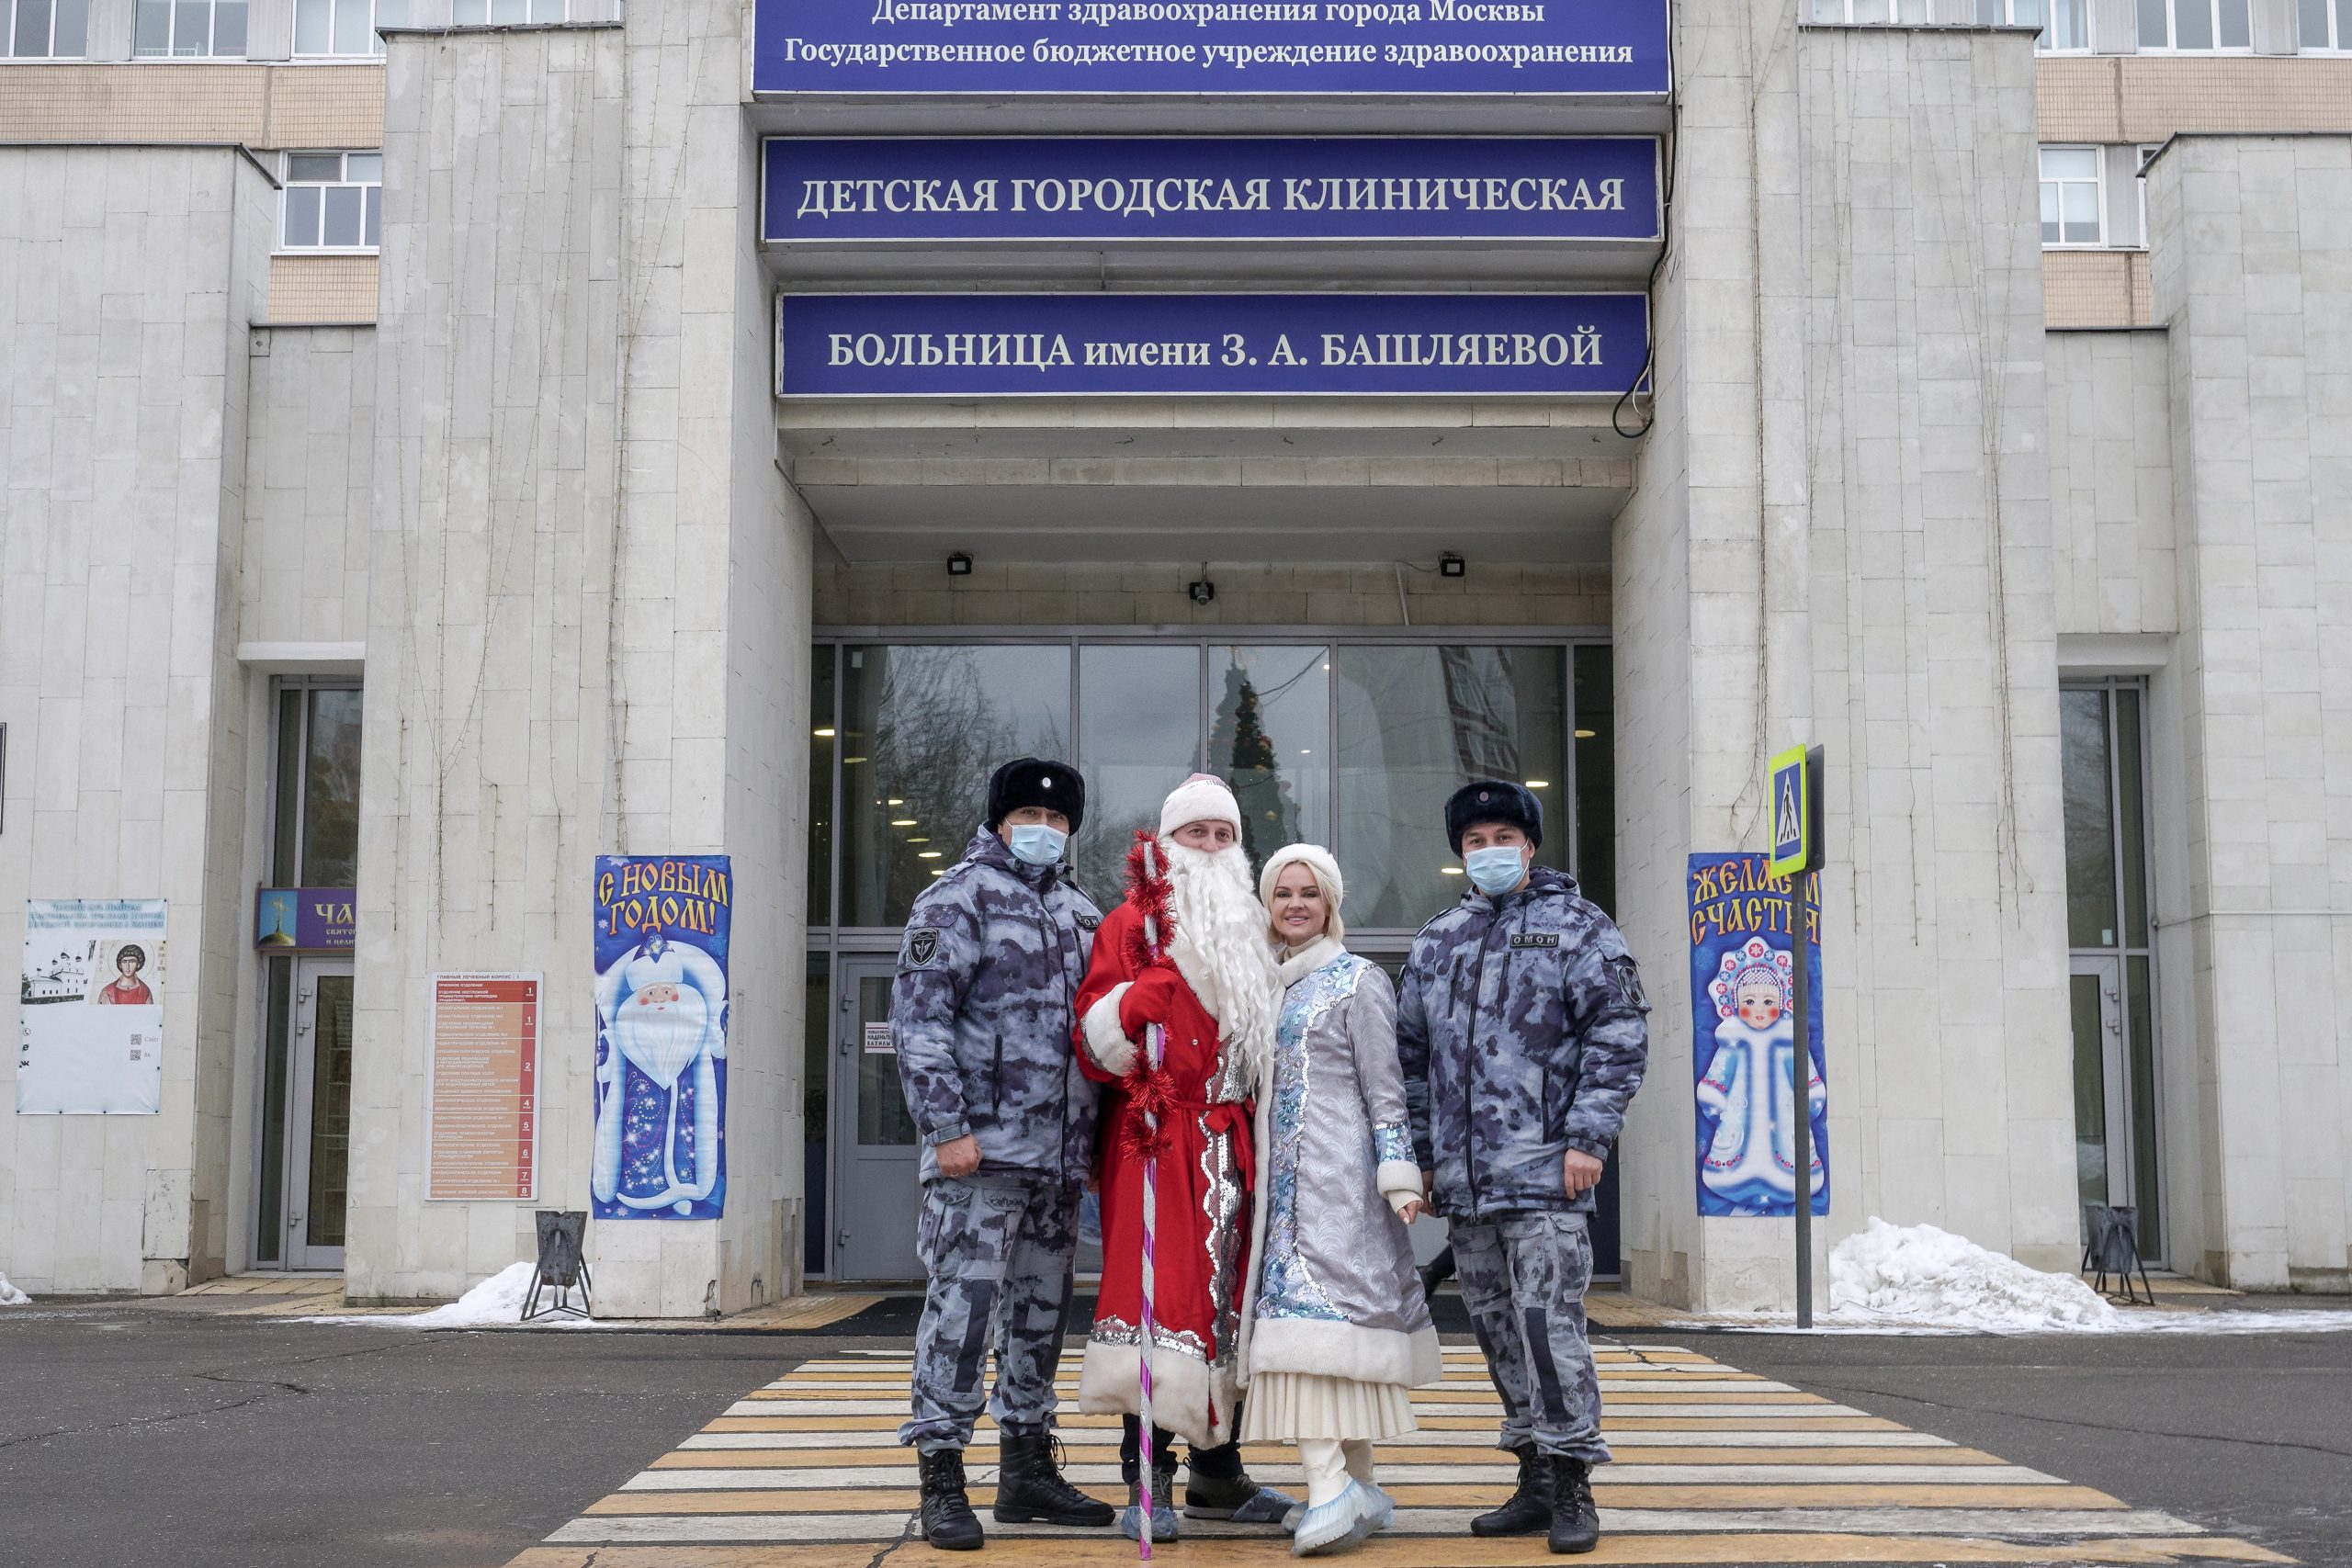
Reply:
x=1797, y=853
x=1799, y=1065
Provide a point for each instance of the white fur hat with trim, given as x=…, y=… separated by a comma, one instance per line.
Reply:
x=1203, y=797
x=1317, y=859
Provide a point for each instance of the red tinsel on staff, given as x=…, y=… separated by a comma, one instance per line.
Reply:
x=1148, y=891
x=1148, y=1086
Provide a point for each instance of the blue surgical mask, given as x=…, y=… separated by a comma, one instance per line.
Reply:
x=1495, y=871
x=1036, y=844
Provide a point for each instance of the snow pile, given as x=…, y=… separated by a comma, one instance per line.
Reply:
x=496, y=1302
x=498, y=1299
x=12, y=1297
x=1919, y=1274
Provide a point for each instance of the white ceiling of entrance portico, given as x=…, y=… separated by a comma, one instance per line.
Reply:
x=1231, y=479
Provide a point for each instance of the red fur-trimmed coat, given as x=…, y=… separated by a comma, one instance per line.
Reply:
x=1202, y=1227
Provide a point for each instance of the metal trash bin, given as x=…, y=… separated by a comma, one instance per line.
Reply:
x=562, y=1267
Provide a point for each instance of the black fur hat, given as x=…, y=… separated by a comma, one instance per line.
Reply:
x=1031, y=781
x=1492, y=800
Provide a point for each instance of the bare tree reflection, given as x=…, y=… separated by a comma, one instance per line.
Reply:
x=923, y=729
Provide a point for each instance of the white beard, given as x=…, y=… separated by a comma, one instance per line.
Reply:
x=1220, y=949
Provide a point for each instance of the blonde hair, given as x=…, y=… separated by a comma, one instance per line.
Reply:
x=1317, y=859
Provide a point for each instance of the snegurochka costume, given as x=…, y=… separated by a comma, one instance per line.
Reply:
x=1213, y=993
x=1335, y=1330
x=1522, y=1030
x=981, y=1015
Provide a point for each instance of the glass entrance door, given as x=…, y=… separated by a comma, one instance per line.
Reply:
x=2111, y=987
x=306, y=1121
x=877, y=1190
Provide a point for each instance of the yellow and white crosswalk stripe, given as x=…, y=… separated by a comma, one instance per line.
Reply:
x=1713, y=1465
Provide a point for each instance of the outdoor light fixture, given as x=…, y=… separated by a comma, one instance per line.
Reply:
x=959, y=565
x=1452, y=565
x=1201, y=592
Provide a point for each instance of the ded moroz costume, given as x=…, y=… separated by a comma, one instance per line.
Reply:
x=980, y=1012
x=1335, y=1329
x=1213, y=993
x=1521, y=1028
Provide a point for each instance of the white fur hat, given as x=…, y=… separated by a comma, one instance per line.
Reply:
x=1203, y=797
x=1317, y=859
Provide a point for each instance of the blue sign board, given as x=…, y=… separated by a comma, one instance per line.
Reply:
x=1096, y=191
x=1190, y=46
x=1256, y=344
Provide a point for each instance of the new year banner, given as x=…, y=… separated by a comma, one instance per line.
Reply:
x=662, y=928
x=90, y=1032
x=1745, y=1038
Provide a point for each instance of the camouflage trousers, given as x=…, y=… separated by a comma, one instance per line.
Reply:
x=999, y=1259
x=1524, y=1280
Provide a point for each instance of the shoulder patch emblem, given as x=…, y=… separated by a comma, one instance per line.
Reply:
x=1088, y=922
x=1536, y=939
x=1629, y=983
x=922, y=946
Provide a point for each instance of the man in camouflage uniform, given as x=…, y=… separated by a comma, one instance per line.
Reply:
x=980, y=1014
x=1521, y=1028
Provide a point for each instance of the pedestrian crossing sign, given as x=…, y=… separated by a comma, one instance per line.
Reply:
x=1792, y=813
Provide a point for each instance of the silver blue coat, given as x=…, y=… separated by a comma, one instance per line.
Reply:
x=1333, y=1289
x=1524, y=1033
x=981, y=1013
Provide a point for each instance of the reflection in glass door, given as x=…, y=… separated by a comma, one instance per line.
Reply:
x=2112, y=986
x=876, y=1194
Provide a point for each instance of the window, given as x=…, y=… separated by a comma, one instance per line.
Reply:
x=2324, y=25
x=2065, y=24
x=44, y=30
x=316, y=841
x=190, y=29
x=334, y=201
x=345, y=27
x=1354, y=745
x=2070, y=196
x=2195, y=24
x=500, y=13
x=1868, y=13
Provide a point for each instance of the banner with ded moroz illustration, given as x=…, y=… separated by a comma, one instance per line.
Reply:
x=660, y=1142
x=1744, y=1038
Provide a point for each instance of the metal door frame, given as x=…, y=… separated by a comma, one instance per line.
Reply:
x=2115, y=1068
x=849, y=969
x=296, y=1255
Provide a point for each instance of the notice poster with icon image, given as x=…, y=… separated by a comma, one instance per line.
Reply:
x=1744, y=1038
x=90, y=1022
x=663, y=923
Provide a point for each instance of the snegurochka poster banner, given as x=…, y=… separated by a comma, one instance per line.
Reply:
x=1744, y=1038
x=663, y=923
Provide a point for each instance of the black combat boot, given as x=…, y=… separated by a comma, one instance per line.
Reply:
x=947, y=1521
x=1030, y=1489
x=1575, y=1523
x=1530, y=1509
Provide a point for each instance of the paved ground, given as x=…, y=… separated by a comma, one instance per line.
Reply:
x=132, y=1435
x=2250, y=1436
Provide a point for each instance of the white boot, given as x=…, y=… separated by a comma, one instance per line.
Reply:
x=1357, y=1452
x=1326, y=1464
x=1338, y=1510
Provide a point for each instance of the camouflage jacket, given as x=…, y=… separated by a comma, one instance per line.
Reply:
x=981, y=1010
x=1521, y=1028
